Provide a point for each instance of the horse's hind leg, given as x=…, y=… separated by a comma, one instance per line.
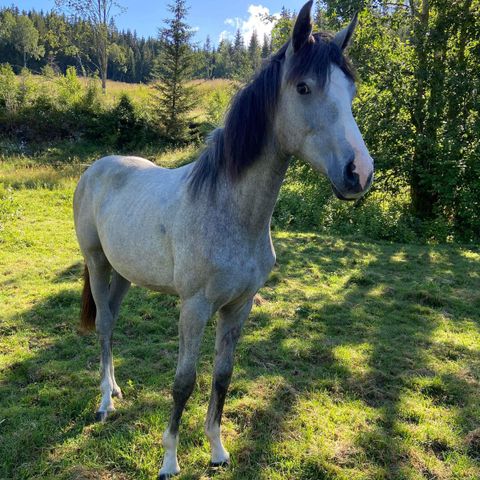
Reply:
x=99, y=272
x=118, y=289
x=229, y=328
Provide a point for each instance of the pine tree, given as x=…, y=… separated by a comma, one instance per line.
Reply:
x=223, y=60
x=209, y=54
x=266, y=47
x=241, y=68
x=254, y=53
x=238, y=43
x=173, y=71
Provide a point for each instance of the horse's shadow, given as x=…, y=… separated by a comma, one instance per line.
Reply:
x=293, y=359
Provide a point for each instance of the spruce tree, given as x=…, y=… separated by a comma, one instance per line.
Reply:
x=209, y=58
x=173, y=69
x=241, y=67
x=224, y=60
x=254, y=52
x=266, y=47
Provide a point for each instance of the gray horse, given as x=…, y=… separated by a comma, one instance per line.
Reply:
x=202, y=231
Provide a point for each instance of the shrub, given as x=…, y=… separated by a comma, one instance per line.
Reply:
x=69, y=88
x=216, y=106
x=8, y=89
x=127, y=127
x=306, y=202
x=27, y=88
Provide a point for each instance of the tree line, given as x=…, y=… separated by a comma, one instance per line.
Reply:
x=37, y=39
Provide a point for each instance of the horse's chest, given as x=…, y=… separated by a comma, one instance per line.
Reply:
x=242, y=273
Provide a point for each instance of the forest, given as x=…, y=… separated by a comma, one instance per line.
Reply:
x=36, y=40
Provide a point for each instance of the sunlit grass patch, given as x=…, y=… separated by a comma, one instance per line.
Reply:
x=30, y=177
x=177, y=157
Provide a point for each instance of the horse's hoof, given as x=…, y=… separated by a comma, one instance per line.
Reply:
x=101, y=417
x=166, y=476
x=224, y=464
x=117, y=394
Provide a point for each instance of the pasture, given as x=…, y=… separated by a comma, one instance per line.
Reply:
x=361, y=360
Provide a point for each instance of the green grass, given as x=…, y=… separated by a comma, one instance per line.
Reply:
x=360, y=361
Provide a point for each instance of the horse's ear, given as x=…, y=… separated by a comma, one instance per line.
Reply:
x=342, y=38
x=303, y=27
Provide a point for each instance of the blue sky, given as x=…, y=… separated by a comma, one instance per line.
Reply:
x=211, y=17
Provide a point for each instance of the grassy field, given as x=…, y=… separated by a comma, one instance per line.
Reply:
x=140, y=93
x=361, y=361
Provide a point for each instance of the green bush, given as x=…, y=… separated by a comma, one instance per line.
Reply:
x=8, y=90
x=216, y=106
x=27, y=88
x=306, y=202
x=127, y=127
x=45, y=112
x=69, y=88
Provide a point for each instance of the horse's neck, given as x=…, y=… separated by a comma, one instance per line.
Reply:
x=253, y=196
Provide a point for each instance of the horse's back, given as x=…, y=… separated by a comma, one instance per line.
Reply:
x=117, y=176
x=112, y=173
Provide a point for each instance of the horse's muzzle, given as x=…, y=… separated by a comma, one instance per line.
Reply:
x=351, y=189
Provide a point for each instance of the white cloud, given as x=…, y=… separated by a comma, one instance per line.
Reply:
x=255, y=22
x=232, y=22
x=225, y=35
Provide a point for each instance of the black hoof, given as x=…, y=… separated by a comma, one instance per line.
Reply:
x=101, y=417
x=166, y=476
x=225, y=464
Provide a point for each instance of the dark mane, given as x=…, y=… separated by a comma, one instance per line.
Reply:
x=235, y=147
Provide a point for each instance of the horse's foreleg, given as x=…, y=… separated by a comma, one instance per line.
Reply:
x=194, y=315
x=118, y=289
x=229, y=329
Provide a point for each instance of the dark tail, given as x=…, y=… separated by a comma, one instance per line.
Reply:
x=89, y=309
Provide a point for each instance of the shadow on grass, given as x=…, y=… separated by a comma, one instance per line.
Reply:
x=71, y=273
x=391, y=303
x=391, y=306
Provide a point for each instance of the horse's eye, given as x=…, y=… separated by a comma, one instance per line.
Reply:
x=303, y=89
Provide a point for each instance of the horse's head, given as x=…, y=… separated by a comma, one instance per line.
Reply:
x=314, y=118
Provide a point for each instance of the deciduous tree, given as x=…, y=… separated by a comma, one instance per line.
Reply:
x=100, y=14
x=24, y=36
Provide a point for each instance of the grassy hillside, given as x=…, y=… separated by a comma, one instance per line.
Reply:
x=361, y=361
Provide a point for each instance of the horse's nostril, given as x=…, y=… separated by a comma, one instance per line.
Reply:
x=352, y=181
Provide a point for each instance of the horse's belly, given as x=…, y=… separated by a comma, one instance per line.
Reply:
x=144, y=259
x=157, y=278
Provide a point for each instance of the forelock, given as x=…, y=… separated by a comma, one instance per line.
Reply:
x=314, y=59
